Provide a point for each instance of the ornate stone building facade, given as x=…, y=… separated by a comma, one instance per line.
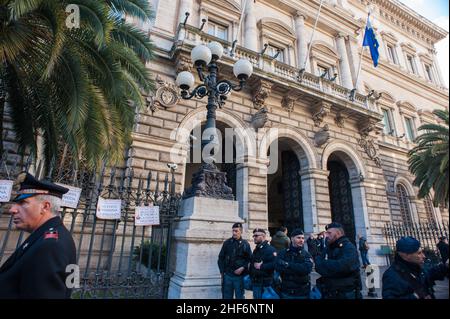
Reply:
x=338, y=158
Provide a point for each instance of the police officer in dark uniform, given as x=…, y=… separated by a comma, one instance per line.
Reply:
x=406, y=278
x=262, y=264
x=338, y=266
x=234, y=258
x=37, y=269
x=294, y=265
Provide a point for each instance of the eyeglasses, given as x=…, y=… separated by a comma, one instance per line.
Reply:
x=257, y=235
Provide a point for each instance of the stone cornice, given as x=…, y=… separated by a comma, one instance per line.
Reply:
x=413, y=23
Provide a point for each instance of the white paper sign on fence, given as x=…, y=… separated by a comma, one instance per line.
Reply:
x=5, y=190
x=108, y=208
x=71, y=198
x=146, y=216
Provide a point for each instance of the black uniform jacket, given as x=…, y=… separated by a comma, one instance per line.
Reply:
x=233, y=255
x=341, y=270
x=404, y=280
x=37, y=269
x=267, y=254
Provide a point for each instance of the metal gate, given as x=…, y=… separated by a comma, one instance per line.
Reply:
x=116, y=258
x=341, y=198
x=292, y=191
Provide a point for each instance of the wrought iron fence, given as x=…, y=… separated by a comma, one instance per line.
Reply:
x=117, y=259
x=427, y=233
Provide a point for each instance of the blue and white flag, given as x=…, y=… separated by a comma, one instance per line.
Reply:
x=370, y=41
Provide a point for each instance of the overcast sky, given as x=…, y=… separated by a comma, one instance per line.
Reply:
x=436, y=11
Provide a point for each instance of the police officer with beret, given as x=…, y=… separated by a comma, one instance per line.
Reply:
x=37, y=269
x=406, y=278
x=294, y=265
x=262, y=264
x=234, y=258
x=338, y=266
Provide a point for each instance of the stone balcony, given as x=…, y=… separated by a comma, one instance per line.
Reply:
x=280, y=76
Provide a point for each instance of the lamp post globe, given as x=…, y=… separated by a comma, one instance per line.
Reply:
x=216, y=49
x=185, y=80
x=243, y=69
x=201, y=55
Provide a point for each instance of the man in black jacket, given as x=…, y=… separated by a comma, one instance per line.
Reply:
x=234, y=258
x=338, y=266
x=38, y=268
x=262, y=264
x=442, y=246
x=406, y=278
x=294, y=265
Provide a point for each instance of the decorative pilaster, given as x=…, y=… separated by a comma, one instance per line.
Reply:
x=344, y=63
x=250, y=28
x=438, y=69
x=302, y=47
x=185, y=6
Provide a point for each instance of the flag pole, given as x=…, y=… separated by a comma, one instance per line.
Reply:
x=352, y=97
x=302, y=70
x=235, y=41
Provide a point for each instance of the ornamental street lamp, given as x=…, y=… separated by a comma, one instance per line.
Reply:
x=209, y=181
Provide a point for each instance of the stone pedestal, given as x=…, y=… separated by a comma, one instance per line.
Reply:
x=198, y=238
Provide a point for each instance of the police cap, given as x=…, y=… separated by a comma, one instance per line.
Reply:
x=297, y=232
x=237, y=225
x=407, y=245
x=259, y=230
x=29, y=186
x=333, y=225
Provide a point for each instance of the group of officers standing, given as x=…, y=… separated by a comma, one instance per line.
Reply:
x=337, y=263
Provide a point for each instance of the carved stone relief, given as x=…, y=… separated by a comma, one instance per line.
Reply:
x=261, y=92
x=320, y=111
x=166, y=95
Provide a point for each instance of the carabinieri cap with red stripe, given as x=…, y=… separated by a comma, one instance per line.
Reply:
x=30, y=186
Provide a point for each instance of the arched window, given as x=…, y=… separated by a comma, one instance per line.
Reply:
x=403, y=200
x=429, y=210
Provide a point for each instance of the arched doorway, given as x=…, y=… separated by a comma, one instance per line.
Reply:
x=340, y=192
x=284, y=195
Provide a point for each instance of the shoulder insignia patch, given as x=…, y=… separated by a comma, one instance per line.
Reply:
x=51, y=234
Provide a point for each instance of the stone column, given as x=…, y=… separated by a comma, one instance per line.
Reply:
x=302, y=46
x=344, y=63
x=322, y=196
x=185, y=6
x=198, y=237
x=257, y=195
x=355, y=56
x=440, y=78
x=242, y=190
x=362, y=225
x=250, y=28
x=310, y=219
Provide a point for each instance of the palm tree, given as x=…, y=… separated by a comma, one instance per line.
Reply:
x=428, y=161
x=75, y=86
